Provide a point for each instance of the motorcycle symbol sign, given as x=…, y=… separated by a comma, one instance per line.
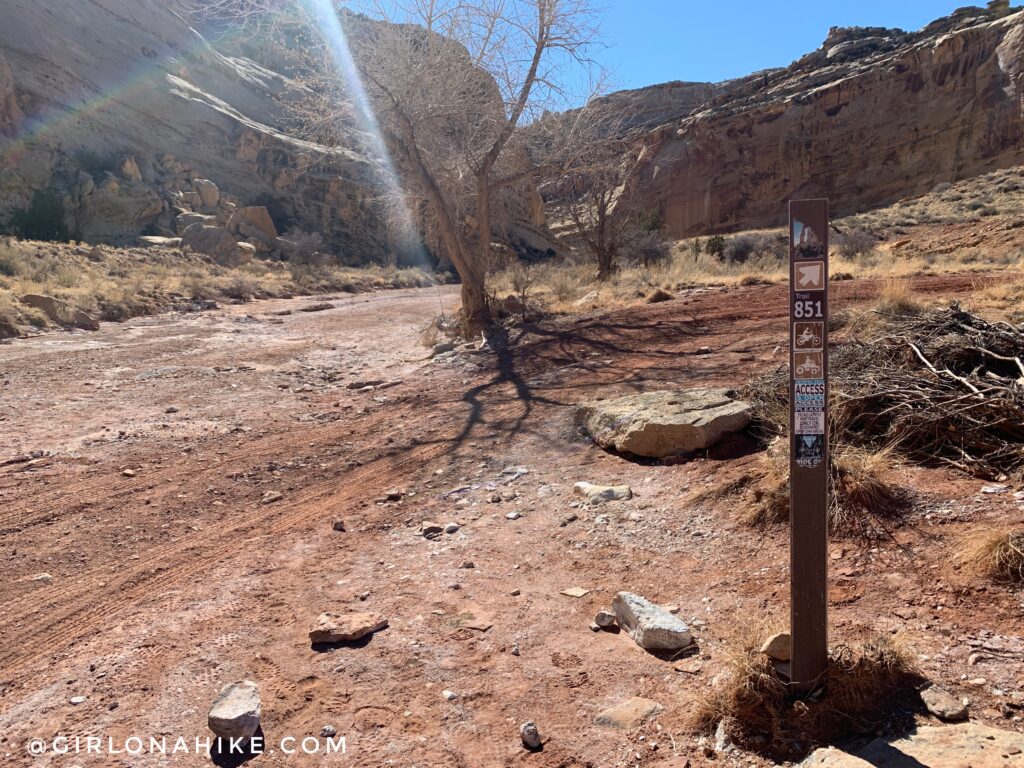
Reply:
x=807, y=336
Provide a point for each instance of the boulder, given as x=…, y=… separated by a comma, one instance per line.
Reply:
x=253, y=221
x=209, y=194
x=664, y=423
x=599, y=494
x=778, y=647
x=235, y=713
x=345, y=628
x=651, y=626
x=215, y=242
x=130, y=170
x=186, y=220
x=943, y=704
x=61, y=312
x=628, y=714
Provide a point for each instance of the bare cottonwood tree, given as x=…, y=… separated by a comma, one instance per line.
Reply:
x=591, y=154
x=445, y=88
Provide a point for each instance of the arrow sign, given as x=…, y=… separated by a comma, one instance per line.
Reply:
x=811, y=275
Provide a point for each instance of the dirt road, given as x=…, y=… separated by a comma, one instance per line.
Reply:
x=167, y=515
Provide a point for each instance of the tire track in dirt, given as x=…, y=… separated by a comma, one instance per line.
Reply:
x=83, y=613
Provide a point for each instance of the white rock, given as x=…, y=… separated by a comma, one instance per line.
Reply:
x=235, y=713
x=651, y=626
x=449, y=695
x=599, y=494
x=778, y=647
x=530, y=735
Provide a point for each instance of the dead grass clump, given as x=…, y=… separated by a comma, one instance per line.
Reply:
x=995, y=554
x=860, y=690
x=898, y=298
x=862, y=503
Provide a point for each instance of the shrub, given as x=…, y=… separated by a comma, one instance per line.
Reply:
x=855, y=243
x=42, y=220
x=740, y=249
x=715, y=246
x=996, y=554
x=646, y=246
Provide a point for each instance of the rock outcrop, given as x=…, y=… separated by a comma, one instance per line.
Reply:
x=134, y=118
x=873, y=116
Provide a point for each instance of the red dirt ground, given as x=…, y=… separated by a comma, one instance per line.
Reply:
x=168, y=584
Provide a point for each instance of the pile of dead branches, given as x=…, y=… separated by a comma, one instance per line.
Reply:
x=942, y=387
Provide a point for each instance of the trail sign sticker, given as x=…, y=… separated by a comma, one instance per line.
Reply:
x=811, y=276
x=809, y=463
x=807, y=337
x=808, y=365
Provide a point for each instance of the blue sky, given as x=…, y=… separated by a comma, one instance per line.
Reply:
x=654, y=41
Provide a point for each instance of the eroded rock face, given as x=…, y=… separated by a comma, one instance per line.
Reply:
x=185, y=124
x=873, y=116
x=215, y=242
x=663, y=423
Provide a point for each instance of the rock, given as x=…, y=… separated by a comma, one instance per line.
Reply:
x=215, y=242
x=171, y=409
x=186, y=220
x=723, y=741
x=576, y=592
x=964, y=744
x=451, y=528
x=76, y=700
x=658, y=296
x=587, y=300
x=130, y=170
x=42, y=578
x=327, y=731
x=449, y=695
x=338, y=525
x=321, y=306
x=664, y=423
x=235, y=713
x=10, y=113
x=128, y=473
x=513, y=515
x=628, y=714
x=605, y=619
x=530, y=735
x=778, y=647
x=443, y=346
x=209, y=194
x=599, y=494
x=572, y=517
x=253, y=221
x=431, y=530
x=271, y=496
x=61, y=312
x=943, y=704
x=652, y=627
x=345, y=628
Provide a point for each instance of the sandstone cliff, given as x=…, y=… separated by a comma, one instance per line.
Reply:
x=873, y=116
x=121, y=109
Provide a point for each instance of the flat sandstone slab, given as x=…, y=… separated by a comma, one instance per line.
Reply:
x=345, y=628
x=941, y=746
x=664, y=423
x=628, y=714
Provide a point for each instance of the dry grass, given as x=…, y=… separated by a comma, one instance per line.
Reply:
x=862, y=503
x=897, y=297
x=120, y=283
x=859, y=691
x=995, y=554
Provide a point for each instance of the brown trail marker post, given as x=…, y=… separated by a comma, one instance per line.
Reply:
x=809, y=460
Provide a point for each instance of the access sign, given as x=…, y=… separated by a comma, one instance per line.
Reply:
x=808, y=354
